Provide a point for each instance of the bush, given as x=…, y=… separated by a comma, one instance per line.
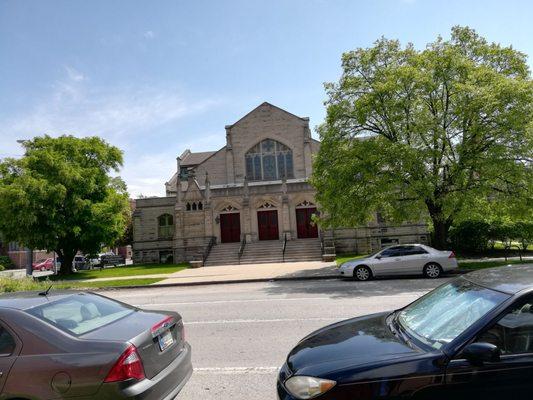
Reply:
x=8, y=285
x=6, y=262
x=471, y=236
x=2, y=267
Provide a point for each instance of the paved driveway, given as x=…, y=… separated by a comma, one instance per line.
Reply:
x=241, y=333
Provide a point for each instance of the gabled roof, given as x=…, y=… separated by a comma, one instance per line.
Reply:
x=267, y=104
x=192, y=159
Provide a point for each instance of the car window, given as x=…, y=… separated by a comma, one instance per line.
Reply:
x=81, y=313
x=513, y=333
x=414, y=250
x=7, y=343
x=395, y=251
x=444, y=313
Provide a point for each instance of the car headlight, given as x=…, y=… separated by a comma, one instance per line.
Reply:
x=308, y=387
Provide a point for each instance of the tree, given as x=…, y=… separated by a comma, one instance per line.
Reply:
x=437, y=133
x=60, y=196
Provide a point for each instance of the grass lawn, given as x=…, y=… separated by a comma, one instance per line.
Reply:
x=8, y=285
x=130, y=270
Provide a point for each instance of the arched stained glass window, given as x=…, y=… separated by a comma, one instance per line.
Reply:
x=269, y=160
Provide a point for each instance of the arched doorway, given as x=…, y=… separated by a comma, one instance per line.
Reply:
x=305, y=226
x=267, y=222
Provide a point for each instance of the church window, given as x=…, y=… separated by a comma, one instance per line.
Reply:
x=188, y=207
x=194, y=206
x=200, y=206
x=165, y=224
x=269, y=160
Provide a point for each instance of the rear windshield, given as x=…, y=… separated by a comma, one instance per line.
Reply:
x=81, y=313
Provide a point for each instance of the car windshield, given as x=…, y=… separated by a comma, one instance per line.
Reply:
x=443, y=314
x=81, y=313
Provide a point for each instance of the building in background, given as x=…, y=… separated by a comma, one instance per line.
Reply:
x=254, y=191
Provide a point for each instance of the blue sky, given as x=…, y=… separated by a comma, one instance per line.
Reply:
x=157, y=77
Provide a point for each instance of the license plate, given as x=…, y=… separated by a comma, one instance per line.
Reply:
x=165, y=340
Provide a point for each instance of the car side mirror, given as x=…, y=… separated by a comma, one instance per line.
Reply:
x=479, y=353
x=378, y=257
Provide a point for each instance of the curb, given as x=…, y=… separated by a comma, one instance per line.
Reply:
x=230, y=282
x=237, y=281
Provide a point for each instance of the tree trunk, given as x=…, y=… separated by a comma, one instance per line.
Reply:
x=67, y=257
x=441, y=226
x=439, y=238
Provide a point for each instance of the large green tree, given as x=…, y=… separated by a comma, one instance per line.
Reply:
x=436, y=133
x=60, y=196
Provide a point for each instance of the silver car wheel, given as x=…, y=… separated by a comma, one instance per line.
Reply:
x=432, y=271
x=362, y=273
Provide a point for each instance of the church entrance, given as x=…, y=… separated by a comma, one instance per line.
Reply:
x=267, y=223
x=305, y=226
x=230, y=227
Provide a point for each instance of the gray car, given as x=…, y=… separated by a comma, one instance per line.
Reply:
x=82, y=345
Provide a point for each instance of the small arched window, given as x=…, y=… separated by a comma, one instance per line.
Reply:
x=165, y=224
x=200, y=206
x=188, y=207
x=269, y=160
x=194, y=206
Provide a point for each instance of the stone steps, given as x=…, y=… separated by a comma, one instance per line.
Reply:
x=267, y=251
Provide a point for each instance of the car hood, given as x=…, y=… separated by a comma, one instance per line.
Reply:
x=353, y=343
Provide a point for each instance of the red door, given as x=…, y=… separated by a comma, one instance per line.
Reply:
x=304, y=224
x=267, y=222
x=230, y=227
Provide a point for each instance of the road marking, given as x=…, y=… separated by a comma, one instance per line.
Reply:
x=254, y=321
x=236, y=370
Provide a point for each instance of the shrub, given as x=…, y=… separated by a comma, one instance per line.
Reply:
x=16, y=285
x=2, y=267
x=471, y=236
x=7, y=262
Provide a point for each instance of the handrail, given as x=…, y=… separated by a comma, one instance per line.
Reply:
x=210, y=245
x=241, y=248
x=284, y=246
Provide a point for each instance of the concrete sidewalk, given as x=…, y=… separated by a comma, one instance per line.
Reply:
x=253, y=272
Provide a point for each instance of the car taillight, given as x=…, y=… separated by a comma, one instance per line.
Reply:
x=128, y=366
x=452, y=255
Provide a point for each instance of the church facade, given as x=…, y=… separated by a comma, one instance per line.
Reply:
x=253, y=189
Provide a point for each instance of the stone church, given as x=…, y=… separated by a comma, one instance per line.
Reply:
x=250, y=202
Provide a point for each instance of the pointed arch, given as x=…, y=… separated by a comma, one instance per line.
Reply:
x=269, y=160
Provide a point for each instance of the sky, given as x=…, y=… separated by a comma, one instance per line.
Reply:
x=156, y=77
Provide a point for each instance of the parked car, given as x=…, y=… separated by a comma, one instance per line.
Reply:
x=85, y=346
x=44, y=265
x=470, y=338
x=79, y=262
x=406, y=259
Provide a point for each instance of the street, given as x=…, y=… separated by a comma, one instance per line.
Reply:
x=241, y=333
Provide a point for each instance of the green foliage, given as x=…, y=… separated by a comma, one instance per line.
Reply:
x=443, y=133
x=471, y=236
x=2, y=267
x=60, y=196
x=477, y=235
x=6, y=262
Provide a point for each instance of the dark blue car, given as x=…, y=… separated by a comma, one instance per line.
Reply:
x=470, y=338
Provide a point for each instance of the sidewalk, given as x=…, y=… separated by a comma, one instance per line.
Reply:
x=258, y=272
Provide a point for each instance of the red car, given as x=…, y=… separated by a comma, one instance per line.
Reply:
x=46, y=265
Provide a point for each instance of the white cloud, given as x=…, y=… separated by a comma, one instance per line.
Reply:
x=118, y=114
x=149, y=35
x=74, y=75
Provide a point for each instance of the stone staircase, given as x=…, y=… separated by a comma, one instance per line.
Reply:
x=266, y=251
x=303, y=250
x=223, y=254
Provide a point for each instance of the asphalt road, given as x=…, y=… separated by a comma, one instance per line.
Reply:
x=241, y=333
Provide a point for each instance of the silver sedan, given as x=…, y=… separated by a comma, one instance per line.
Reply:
x=406, y=259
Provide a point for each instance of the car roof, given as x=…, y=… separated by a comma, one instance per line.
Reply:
x=510, y=279
x=25, y=300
